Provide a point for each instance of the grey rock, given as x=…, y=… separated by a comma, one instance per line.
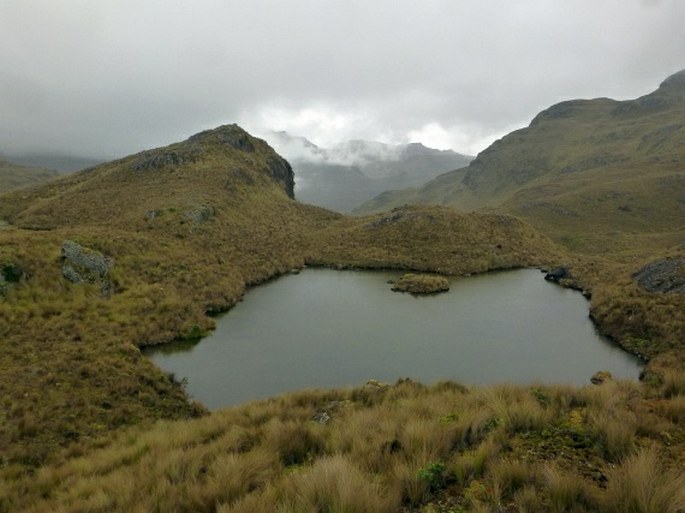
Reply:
x=395, y=216
x=71, y=274
x=558, y=274
x=85, y=265
x=325, y=413
x=664, y=275
x=229, y=135
x=200, y=214
x=159, y=159
x=281, y=171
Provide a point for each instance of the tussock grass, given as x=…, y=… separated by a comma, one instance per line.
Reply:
x=568, y=492
x=639, y=484
x=406, y=446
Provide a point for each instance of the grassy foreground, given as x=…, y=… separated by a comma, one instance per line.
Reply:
x=614, y=447
x=89, y=424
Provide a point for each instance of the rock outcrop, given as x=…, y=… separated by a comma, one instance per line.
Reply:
x=664, y=275
x=85, y=265
x=558, y=274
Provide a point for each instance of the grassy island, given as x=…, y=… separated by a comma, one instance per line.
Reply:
x=421, y=284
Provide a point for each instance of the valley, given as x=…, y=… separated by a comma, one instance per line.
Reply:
x=140, y=251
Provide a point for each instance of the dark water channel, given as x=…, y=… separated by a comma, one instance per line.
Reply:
x=325, y=329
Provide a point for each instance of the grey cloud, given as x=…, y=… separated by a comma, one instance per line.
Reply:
x=112, y=77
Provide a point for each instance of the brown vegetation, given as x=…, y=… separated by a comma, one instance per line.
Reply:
x=440, y=448
x=421, y=284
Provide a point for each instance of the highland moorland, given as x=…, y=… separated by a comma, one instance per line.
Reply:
x=140, y=251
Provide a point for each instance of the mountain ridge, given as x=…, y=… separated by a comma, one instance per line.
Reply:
x=578, y=162
x=350, y=172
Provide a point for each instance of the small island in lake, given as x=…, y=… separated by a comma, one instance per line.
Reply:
x=421, y=284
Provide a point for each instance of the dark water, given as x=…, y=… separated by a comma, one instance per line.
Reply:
x=325, y=329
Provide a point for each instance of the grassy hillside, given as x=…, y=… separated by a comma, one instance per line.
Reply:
x=140, y=251
x=13, y=176
x=595, y=175
x=605, y=180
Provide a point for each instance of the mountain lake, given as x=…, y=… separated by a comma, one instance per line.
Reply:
x=330, y=329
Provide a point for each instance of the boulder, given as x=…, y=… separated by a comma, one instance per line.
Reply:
x=200, y=214
x=664, y=275
x=558, y=274
x=84, y=265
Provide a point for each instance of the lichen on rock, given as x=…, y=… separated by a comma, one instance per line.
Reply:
x=85, y=265
x=664, y=275
x=200, y=214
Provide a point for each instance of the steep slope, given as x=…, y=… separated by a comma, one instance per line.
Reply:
x=352, y=172
x=591, y=173
x=14, y=176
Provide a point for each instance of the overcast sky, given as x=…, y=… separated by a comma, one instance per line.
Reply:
x=106, y=78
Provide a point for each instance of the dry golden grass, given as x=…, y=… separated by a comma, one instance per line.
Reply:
x=403, y=446
x=640, y=484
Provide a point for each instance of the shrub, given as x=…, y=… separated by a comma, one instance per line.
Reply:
x=434, y=475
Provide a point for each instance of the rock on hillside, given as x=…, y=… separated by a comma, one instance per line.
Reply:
x=664, y=275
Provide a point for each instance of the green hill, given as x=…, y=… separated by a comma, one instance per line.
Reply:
x=596, y=175
x=142, y=250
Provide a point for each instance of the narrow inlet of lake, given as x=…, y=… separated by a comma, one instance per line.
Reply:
x=330, y=329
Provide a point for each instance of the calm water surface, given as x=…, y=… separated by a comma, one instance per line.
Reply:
x=325, y=329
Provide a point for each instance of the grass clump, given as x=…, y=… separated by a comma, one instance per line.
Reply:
x=640, y=485
x=421, y=284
